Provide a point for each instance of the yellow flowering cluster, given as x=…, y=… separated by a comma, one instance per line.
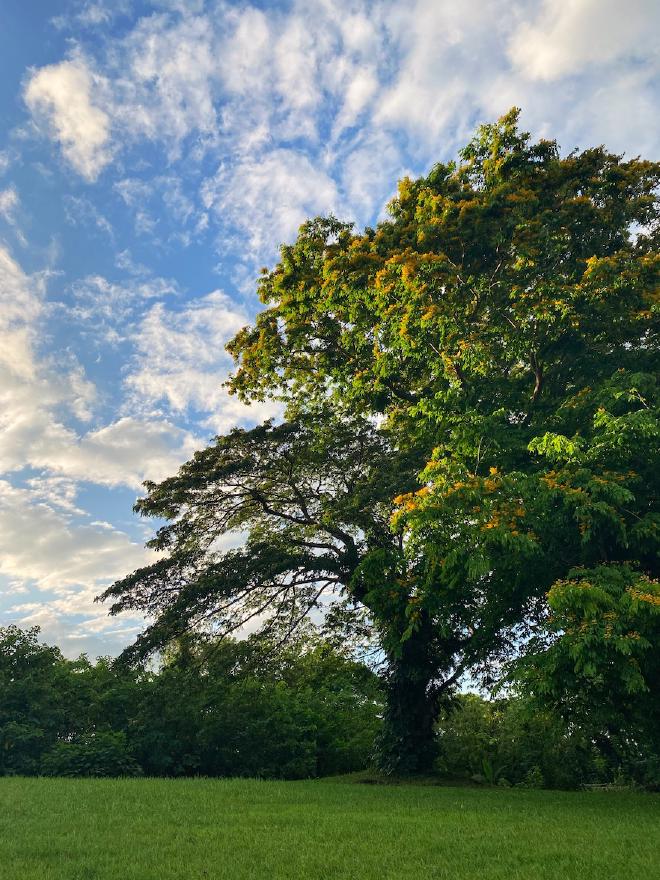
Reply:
x=650, y=598
x=508, y=513
x=408, y=269
x=403, y=327
x=552, y=482
x=490, y=484
x=455, y=487
x=577, y=398
x=406, y=502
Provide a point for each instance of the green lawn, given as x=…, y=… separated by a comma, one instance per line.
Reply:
x=130, y=829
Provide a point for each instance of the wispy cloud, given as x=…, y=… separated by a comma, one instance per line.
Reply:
x=107, y=308
x=41, y=394
x=564, y=39
x=181, y=363
x=61, y=96
x=81, y=211
x=264, y=200
x=8, y=204
x=292, y=102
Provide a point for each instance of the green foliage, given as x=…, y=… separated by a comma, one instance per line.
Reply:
x=240, y=709
x=513, y=741
x=219, y=709
x=599, y=667
x=33, y=691
x=94, y=754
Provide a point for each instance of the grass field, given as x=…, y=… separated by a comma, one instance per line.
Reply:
x=138, y=829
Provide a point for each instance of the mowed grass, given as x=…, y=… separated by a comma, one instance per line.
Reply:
x=58, y=829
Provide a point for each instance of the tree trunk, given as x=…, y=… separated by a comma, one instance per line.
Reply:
x=406, y=744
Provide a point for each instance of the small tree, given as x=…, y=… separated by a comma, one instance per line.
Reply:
x=597, y=664
x=33, y=687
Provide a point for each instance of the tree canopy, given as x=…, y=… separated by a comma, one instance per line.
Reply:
x=471, y=416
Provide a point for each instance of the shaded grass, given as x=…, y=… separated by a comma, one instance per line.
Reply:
x=58, y=829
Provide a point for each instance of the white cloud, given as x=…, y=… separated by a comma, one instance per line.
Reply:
x=37, y=394
x=568, y=36
x=278, y=71
x=124, y=260
x=43, y=547
x=8, y=204
x=20, y=306
x=369, y=185
x=165, y=205
x=40, y=544
x=96, y=634
x=158, y=83
x=108, y=305
x=75, y=623
x=9, y=208
x=584, y=72
x=362, y=87
x=21, y=296
x=267, y=198
x=46, y=538
x=80, y=211
x=29, y=390
x=57, y=492
x=296, y=55
x=240, y=81
x=164, y=80
x=133, y=191
x=182, y=362
x=94, y=14
x=246, y=46
x=91, y=14
x=445, y=53
x=123, y=453
x=62, y=96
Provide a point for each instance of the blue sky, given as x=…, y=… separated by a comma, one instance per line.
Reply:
x=152, y=158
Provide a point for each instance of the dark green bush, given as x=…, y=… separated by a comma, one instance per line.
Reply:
x=92, y=754
x=495, y=740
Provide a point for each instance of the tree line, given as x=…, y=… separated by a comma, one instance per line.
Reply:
x=305, y=710
x=213, y=709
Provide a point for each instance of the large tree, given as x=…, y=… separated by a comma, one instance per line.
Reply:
x=471, y=413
